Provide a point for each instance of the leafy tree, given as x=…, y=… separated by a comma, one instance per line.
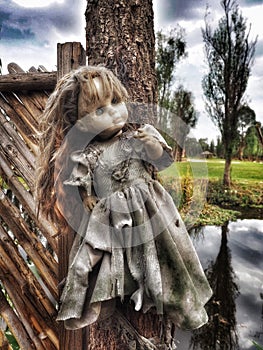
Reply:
x=177, y=113
x=229, y=55
x=204, y=144
x=219, y=148
x=171, y=48
x=259, y=132
x=246, y=118
x=212, y=147
x=192, y=147
x=253, y=148
x=183, y=117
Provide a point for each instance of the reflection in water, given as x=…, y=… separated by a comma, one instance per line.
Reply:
x=231, y=256
x=220, y=331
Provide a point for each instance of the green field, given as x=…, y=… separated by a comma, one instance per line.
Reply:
x=213, y=169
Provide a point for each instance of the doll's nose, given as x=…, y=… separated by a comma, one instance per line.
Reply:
x=113, y=111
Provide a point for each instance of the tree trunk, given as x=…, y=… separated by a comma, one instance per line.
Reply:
x=179, y=153
x=120, y=35
x=227, y=171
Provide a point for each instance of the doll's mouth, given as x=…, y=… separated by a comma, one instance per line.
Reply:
x=119, y=123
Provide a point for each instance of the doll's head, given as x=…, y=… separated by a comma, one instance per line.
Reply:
x=101, y=104
x=79, y=98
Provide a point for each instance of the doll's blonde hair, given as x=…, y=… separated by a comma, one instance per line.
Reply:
x=60, y=115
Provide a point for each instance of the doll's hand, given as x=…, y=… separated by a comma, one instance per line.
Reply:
x=152, y=146
x=90, y=202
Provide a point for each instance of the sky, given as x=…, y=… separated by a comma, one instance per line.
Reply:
x=31, y=29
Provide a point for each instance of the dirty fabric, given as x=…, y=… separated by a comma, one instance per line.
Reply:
x=144, y=248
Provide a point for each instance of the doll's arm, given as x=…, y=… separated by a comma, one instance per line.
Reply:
x=89, y=200
x=152, y=145
x=156, y=148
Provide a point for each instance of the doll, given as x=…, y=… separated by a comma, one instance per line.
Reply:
x=131, y=241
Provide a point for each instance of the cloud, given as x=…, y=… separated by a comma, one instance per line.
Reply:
x=29, y=36
x=38, y=25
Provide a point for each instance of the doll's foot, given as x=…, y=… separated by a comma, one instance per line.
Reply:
x=137, y=297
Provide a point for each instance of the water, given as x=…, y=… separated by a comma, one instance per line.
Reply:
x=232, y=256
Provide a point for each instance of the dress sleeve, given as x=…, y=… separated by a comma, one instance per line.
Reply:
x=81, y=175
x=166, y=159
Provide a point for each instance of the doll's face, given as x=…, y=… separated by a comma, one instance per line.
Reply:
x=107, y=117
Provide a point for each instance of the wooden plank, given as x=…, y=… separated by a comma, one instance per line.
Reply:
x=22, y=274
x=8, y=129
x=43, y=260
x=20, y=163
x=70, y=56
x=22, y=111
x=32, y=81
x=28, y=203
x=14, y=324
x=29, y=316
x=20, y=124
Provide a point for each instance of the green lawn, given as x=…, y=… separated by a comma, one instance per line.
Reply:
x=213, y=169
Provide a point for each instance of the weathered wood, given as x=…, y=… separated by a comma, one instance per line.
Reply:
x=12, y=153
x=20, y=124
x=29, y=316
x=14, y=324
x=27, y=201
x=70, y=56
x=10, y=252
x=22, y=111
x=120, y=35
x=43, y=260
x=14, y=68
x=4, y=345
x=32, y=81
x=13, y=136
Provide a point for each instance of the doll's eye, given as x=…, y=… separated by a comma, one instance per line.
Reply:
x=99, y=111
x=114, y=101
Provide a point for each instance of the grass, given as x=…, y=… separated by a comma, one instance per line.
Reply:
x=214, y=168
x=186, y=182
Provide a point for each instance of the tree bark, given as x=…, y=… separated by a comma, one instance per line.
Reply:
x=120, y=35
x=227, y=172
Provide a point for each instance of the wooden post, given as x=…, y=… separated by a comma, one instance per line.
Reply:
x=69, y=56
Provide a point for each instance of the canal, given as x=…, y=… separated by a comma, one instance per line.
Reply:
x=232, y=256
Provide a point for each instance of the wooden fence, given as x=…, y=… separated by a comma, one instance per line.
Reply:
x=28, y=243
x=28, y=247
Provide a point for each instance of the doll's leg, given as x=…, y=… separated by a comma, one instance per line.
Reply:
x=134, y=260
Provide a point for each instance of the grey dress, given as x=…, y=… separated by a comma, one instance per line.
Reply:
x=136, y=231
